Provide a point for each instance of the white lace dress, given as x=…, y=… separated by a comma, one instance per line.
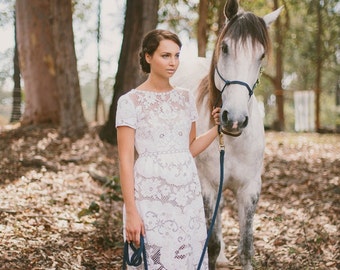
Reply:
x=167, y=188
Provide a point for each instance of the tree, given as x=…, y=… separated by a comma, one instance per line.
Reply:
x=35, y=46
x=202, y=28
x=48, y=65
x=99, y=100
x=16, y=103
x=72, y=120
x=276, y=79
x=319, y=62
x=140, y=17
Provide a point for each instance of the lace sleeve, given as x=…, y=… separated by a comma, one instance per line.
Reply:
x=126, y=112
x=193, y=108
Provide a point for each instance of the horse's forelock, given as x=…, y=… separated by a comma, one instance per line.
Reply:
x=245, y=25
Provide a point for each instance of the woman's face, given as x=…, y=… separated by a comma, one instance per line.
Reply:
x=165, y=60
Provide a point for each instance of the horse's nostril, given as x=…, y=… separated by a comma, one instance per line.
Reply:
x=245, y=123
x=225, y=116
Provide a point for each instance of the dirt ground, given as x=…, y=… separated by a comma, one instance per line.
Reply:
x=60, y=203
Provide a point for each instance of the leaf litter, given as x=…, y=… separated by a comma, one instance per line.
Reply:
x=60, y=203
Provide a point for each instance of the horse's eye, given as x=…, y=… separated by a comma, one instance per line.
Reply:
x=225, y=48
x=262, y=56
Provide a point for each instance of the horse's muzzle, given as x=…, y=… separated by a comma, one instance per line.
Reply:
x=232, y=127
x=234, y=133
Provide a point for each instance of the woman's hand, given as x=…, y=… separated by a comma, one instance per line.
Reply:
x=216, y=115
x=134, y=227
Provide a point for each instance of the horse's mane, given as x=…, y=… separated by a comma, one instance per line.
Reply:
x=241, y=27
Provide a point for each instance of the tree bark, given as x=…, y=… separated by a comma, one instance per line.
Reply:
x=141, y=16
x=279, y=125
x=202, y=28
x=49, y=66
x=98, y=97
x=16, y=105
x=72, y=120
x=37, y=62
x=319, y=64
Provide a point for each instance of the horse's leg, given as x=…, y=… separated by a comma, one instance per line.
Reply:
x=247, y=201
x=221, y=259
x=214, y=245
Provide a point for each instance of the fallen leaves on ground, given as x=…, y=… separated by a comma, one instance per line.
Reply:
x=60, y=205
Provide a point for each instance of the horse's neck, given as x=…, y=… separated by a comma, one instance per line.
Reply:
x=255, y=117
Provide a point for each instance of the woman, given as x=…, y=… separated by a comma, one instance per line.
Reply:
x=161, y=189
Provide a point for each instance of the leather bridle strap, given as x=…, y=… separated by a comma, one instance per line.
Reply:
x=227, y=83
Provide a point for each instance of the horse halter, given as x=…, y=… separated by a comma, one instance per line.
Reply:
x=227, y=83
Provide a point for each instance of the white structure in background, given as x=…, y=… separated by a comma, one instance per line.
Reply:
x=304, y=110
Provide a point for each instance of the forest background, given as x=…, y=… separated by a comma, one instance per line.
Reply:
x=305, y=56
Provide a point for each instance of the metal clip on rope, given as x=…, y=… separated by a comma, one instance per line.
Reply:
x=221, y=141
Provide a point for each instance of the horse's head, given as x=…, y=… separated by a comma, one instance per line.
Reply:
x=235, y=68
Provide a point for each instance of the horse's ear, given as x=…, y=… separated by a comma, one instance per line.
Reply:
x=271, y=17
x=230, y=8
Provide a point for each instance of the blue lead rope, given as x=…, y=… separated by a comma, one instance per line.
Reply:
x=218, y=199
x=138, y=255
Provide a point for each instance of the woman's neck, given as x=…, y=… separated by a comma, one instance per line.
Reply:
x=156, y=85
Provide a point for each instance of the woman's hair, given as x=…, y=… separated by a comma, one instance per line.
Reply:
x=151, y=42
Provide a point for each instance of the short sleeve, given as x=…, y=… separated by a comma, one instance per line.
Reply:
x=126, y=112
x=193, y=108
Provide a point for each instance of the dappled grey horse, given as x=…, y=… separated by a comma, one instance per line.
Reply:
x=234, y=71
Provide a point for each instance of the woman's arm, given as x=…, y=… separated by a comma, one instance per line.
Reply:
x=134, y=224
x=200, y=143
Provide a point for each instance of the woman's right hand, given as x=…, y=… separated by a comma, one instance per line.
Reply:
x=134, y=227
x=216, y=115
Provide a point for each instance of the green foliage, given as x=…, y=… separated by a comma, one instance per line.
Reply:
x=92, y=209
x=259, y=7
x=179, y=16
x=114, y=192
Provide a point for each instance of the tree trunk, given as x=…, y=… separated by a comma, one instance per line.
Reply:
x=16, y=106
x=319, y=63
x=202, y=28
x=37, y=63
x=49, y=66
x=72, y=120
x=337, y=103
x=279, y=125
x=221, y=16
x=141, y=17
x=98, y=98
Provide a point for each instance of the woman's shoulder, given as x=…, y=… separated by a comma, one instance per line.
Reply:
x=128, y=94
x=182, y=90
x=185, y=92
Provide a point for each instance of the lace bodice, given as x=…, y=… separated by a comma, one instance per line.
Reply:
x=162, y=120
